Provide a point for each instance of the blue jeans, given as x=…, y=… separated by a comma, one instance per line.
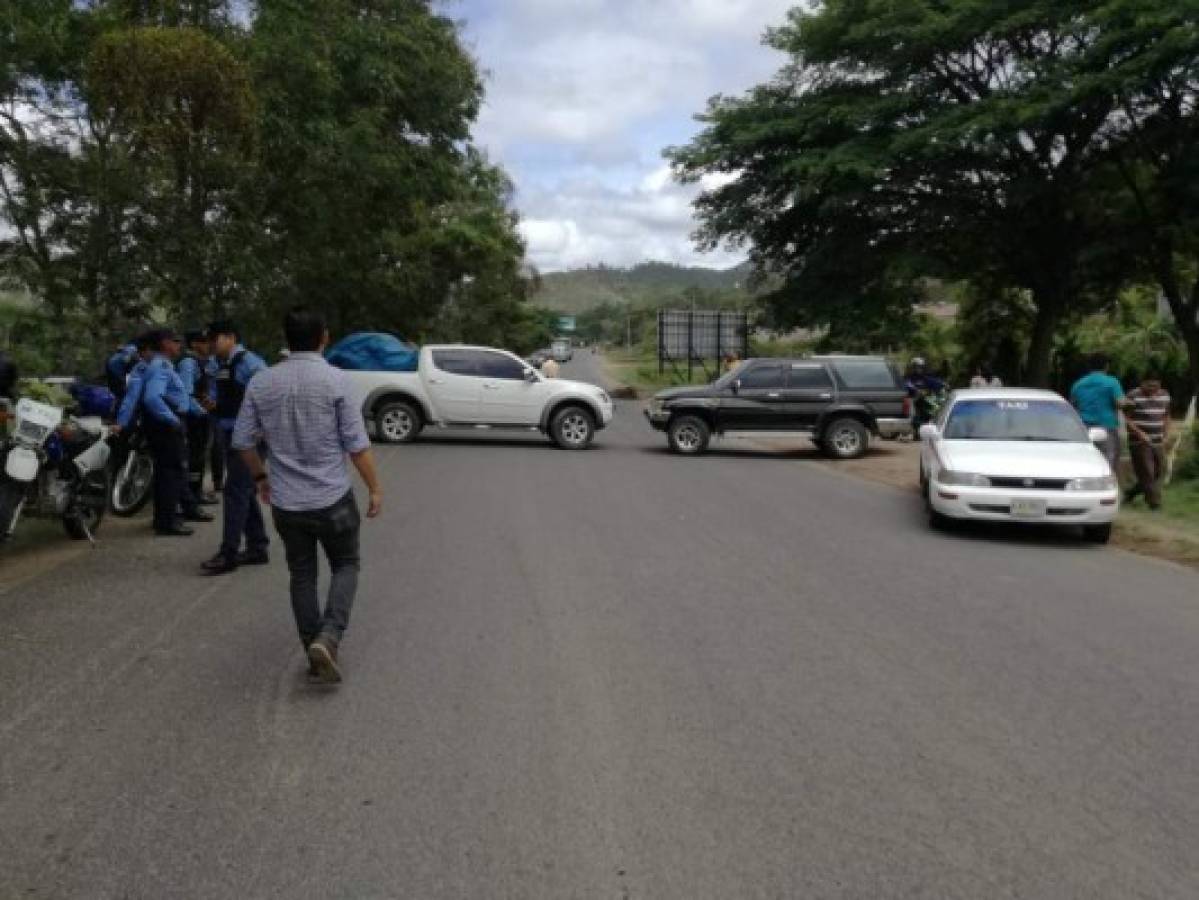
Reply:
x=243, y=515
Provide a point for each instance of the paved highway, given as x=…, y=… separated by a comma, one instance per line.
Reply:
x=613, y=674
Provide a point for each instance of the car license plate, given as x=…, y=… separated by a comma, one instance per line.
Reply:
x=1029, y=509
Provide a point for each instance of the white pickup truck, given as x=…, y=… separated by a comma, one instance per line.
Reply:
x=458, y=387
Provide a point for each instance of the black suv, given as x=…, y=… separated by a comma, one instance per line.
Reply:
x=839, y=400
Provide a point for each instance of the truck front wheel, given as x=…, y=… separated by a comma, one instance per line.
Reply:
x=688, y=435
x=573, y=428
x=398, y=422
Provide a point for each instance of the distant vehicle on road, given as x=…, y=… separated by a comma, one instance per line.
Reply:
x=1013, y=455
x=562, y=350
x=840, y=401
x=472, y=387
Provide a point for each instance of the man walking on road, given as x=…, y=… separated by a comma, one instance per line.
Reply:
x=302, y=409
x=1098, y=397
x=1148, y=430
x=236, y=367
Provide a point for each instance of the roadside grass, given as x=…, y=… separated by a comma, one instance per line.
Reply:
x=1172, y=533
x=639, y=371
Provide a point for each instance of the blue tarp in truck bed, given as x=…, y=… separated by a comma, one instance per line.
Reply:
x=373, y=352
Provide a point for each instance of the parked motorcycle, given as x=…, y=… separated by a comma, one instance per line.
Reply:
x=133, y=481
x=55, y=466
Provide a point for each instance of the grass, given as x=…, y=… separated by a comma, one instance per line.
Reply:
x=640, y=371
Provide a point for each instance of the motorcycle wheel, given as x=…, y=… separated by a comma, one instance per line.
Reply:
x=133, y=485
x=87, y=518
x=12, y=499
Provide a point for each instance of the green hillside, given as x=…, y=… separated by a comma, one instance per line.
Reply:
x=580, y=290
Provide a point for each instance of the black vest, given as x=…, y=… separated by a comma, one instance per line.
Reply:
x=229, y=391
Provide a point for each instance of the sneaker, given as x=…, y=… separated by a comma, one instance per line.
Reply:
x=322, y=657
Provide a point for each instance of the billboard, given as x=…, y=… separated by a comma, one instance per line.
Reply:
x=567, y=324
x=691, y=336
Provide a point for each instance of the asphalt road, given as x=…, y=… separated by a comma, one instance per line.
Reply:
x=613, y=674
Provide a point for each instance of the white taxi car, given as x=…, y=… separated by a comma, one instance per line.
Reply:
x=1014, y=455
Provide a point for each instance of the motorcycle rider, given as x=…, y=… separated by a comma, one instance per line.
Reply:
x=164, y=404
x=921, y=385
x=193, y=372
x=242, y=513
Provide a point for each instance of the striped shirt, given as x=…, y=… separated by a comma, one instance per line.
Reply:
x=1150, y=414
x=301, y=408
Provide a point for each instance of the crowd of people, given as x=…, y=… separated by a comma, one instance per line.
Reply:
x=280, y=436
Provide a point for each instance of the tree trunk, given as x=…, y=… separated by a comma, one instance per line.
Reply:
x=1186, y=317
x=1040, y=350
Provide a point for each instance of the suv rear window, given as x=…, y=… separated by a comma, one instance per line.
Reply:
x=866, y=374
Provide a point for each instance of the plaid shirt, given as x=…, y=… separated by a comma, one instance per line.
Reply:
x=301, y=408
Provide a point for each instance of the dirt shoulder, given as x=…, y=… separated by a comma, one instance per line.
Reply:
x=896, y=464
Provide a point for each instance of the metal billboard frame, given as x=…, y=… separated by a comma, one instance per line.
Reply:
x=690, y=336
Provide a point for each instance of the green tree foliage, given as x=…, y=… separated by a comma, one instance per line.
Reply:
x=923, y=138
x=187, y=158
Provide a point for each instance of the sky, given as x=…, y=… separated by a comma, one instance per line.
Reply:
x=581, y=98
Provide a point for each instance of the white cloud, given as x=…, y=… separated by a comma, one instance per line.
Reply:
x=584, y=222
x=582, y=96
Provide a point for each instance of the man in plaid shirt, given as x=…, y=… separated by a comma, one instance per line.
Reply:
x=301, y=408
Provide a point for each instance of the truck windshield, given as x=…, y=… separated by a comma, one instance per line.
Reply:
x=1014, y=420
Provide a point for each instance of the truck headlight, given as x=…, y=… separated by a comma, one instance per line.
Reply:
x=1106, y=483
x=950, y=478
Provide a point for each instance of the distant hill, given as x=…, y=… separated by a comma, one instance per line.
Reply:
x=579, y=290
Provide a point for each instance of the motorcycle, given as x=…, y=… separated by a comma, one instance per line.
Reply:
x=133, y=481
x=55, y=466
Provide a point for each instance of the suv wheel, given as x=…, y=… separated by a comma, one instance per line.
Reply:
x=573, y=428
x=689, y=435
x=398, y=423
x=1097, y=534
x=846, y=439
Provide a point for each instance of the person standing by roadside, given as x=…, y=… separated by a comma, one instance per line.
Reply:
x=193, y=372
x=1148, y=419
x=236, y=367
x=550, y=368
x=985, y=378
x=302, y=408
x=1098, y=397
x=164, y=404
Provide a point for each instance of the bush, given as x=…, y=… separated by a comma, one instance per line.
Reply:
x=1187, y=468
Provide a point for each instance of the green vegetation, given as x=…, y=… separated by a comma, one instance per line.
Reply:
x=582, y=290
x=1044, y=152
x=186, y=159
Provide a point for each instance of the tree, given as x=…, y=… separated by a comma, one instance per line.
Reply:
x=916, y=139
x=1148, y=59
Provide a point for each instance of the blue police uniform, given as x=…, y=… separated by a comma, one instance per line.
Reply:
x=194, y=375
x=131, y=402
x=164, y=403
x=242, y=512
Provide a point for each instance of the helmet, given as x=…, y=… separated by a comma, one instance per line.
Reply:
x=918, y=362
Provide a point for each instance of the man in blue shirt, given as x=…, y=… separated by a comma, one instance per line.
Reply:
x=193, y=372
x=242, y=513
x=164, y=403
x=1099, y=397
x=129, y=404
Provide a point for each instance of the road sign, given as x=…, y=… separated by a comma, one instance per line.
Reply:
x=567, y=324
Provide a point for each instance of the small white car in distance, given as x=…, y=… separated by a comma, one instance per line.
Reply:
x=459, y=387
x=1015, y=455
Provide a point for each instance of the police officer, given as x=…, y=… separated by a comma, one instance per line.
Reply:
x=164, y=405
x=242, y=514
x=130, y=403
x=120, y=365
x=193, y=372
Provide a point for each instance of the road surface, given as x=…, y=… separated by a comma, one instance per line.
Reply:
x=614, y=674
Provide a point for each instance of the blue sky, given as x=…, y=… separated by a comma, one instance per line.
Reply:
x=583, y=95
